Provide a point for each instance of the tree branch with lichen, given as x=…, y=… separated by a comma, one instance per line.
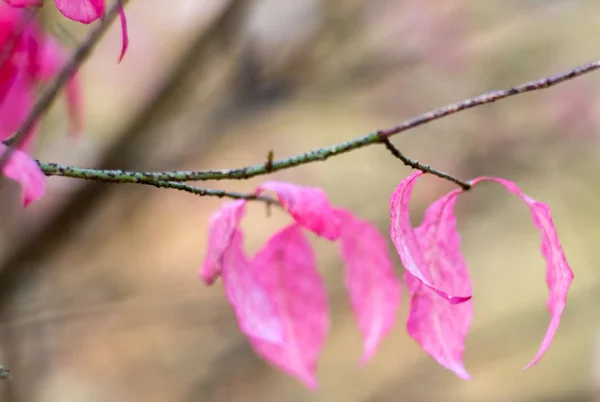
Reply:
x=175, y=179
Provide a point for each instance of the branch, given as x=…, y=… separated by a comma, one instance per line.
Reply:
x=44, y=102
x=109, y=177
x=321, y=154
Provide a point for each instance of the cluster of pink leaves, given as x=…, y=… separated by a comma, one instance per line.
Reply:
x=30, y=57
x=279, y=298
x=84, y=11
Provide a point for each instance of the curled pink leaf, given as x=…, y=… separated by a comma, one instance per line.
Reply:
x=286, y=269
x=222, y=226
x=558, y=272
x=411, y=252
x=308, y=206
x=124, y=33
x=373, y=287
x=21, y=168
x=438, y=326
x=256, y=313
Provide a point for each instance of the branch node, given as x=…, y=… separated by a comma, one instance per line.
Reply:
x=423, y=168
x=269, y=162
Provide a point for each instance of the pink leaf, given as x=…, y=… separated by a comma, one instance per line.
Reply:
x=15, y=108
x=286, y=269
x=84, y=11
x=124, y=34
x=252, y=303
x=21, y=168
x=308, y=206
x=558, y=272
x=222, y=226
x=371, y=283
x=24, y=3
x=438, y=326
x=407, y=245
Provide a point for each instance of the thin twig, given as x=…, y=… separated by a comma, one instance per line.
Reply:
x=423, y=168
x=322, y=154
x=207, y=192
x=82, y=52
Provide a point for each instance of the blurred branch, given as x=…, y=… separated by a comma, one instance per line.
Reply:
x=322, y=154
x=82, y=52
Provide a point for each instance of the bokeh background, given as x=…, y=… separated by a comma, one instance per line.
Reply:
x=99, y=294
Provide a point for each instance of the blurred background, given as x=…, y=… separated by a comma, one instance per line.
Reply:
x=99, y=294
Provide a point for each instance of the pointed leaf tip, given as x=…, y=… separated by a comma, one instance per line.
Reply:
x=410, y=251
x=222, y=226
x=286, y=269
x=124, y=33
x=438, y=326
x=559, y=275
x=308, y=206
x=372, y=286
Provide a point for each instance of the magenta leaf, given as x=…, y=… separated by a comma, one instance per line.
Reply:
x=286, y=269
x=438, y=326
x=222, y=226
x=24, y=3
x=88, y=11
x=256, y=313
x=124, y=33
x=411, y=252
x=558, y=272
x=84, y=11
x=21, y=168
x=373, y=287
x=308, y=206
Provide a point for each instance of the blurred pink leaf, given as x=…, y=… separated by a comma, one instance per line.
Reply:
x=256, y=312
x=411, y=252
x=438, y=326
x=308, y=206
x=222, y=226
x=286, y=269
x=558, y=272
x=84, y=11
x=24, y=3
x=21, y=168
x=373, y=287
x=32, y=57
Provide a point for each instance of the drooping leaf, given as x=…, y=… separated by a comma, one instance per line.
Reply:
x=21, y=168
x=286, y=269
x=558, y=272
x=372, y=286
x=222, y=226
x=407, y=245
x=257, y=314
x=308, y=206
x=438, y=326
